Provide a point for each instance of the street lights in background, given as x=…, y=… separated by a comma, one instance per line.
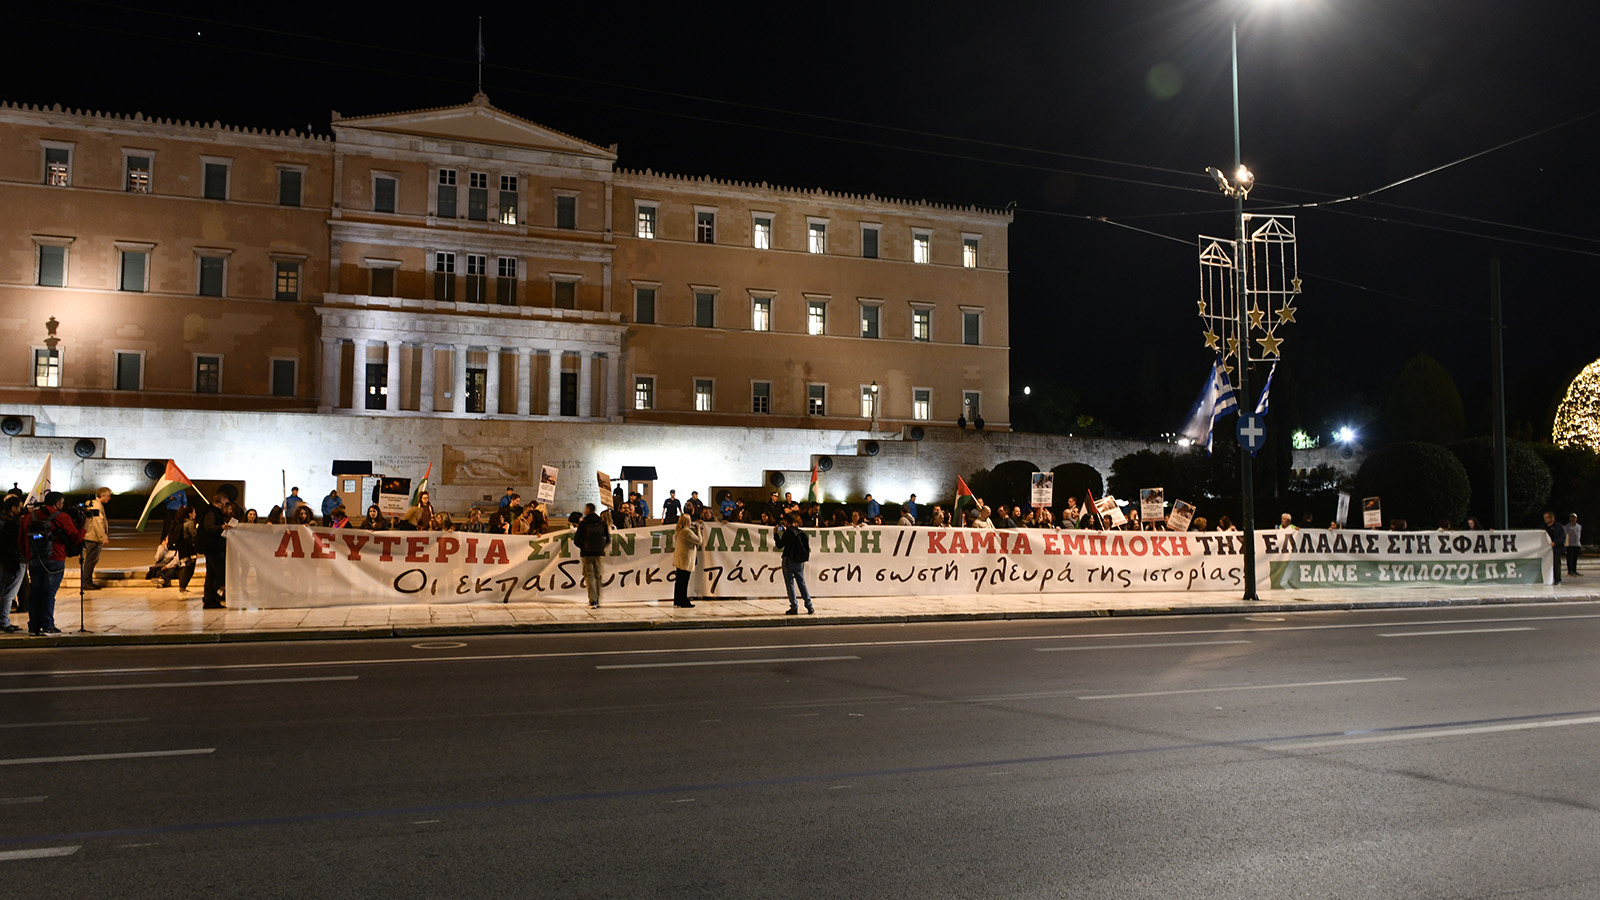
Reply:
x=874, y=390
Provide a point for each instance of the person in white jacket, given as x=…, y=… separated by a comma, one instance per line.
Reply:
x=686, y=541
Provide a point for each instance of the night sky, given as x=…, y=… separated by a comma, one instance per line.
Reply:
x=1070, y=110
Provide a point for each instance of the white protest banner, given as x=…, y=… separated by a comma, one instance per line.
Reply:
x=1043, y=492
x=1371, y=513
x=1308, y=558
x=1152, y=504
x=604, y=481
x=547, y=485
x=1182, y=516
x=1342, y=515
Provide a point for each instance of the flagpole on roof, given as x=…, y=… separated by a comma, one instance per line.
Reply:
x=480, y=54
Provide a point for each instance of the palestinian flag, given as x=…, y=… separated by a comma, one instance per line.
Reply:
x=170, y=483
x=813, y=496
x=421, y=485
x=963, y=500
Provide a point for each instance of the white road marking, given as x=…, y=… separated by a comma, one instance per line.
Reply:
x=427, y=822
x=688, y=800
x=839, y=787
x=14, y=801
x=1242, y=687
x=169, y=684
x=1395, y=634
x=38, y=853
x=127, y=846
x=910, y=642
x=727, y=662
x=1438, y=732
x=1136, y=646
x=78, y=722
x=97, y=757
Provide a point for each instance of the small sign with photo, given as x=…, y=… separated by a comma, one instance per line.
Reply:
x=1152, y=504
x=1182, y=516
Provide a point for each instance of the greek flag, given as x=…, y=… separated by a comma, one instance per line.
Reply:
x=1216, y=400
x=1261, y=405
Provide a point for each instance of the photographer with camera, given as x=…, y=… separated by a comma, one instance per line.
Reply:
x=95, y=536
x=48, y=536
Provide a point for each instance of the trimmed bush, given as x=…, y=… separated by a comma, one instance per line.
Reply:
x=1527, y=479
x=1418, y=482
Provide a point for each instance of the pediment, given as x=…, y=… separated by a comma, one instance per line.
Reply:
x=475, y=122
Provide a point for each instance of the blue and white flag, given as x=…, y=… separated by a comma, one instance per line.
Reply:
x=1261, y=405
x=1215, y=401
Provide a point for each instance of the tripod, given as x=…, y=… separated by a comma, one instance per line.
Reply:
x=82, y=621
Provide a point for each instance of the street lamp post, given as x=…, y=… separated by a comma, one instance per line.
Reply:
x=874, y=406
x=1241, y=188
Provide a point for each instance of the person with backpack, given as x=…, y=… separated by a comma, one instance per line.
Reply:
x=47, y=537
x=593, y=539
x=795, y=545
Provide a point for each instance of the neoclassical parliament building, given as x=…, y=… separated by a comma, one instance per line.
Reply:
x=463, y=262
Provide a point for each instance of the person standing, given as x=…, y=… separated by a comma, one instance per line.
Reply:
x=593, y=539
x=505, y=501
x=174, y=505
x=685, y=543
x=95, y=536
x=874, y=509
x=290, y=502
x=1574, y=543
x=1558, y=541
x=671, y=508
x=330, y=503
x=911, y=508
x=795, y=545
x=43, y=538
x=13, y=564
x=214, y=520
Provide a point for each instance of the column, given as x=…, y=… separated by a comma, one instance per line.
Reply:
x=459, y=397
x=585, y=393
x=614, y=386
x=555, y=383
x=393, y=385
x=330, y=374
x=491, y=384
x=524, y=388
x=358, y=376
x=425, y=402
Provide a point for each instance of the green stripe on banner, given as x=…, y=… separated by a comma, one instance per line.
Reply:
x=1400, y=573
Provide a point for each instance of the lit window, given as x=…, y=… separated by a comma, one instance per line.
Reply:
x=921, y=324
x=969, y=404
x=761, y=314
x=818, y=237
x=46, y=370
x=508, y=199
x=705, y=310
x=816, y=399
x=290, y=182
x=705, y=227
x=816, y=317
x=138, y=177
x=208, y=374
x=969, y=252
x=869, y=241
x=920, y=246
x=286, y=281
x=702, y=395
x=761, y=232
x=477, y=278
x=446, y=195
x=921, y=404
x=647, y=222
x=567, y=212
x=444, y=276
x=761, y=396
x=869, y=321
x=57, y=166
x=478, y=196
x=384, y=189
x=644, y=305
x=869, y=402
x=644, y=392
x=970, y=323
x=505, y=285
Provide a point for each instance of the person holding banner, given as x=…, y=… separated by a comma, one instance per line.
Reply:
x=685, y=542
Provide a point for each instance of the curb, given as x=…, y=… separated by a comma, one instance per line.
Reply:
x=83, y=639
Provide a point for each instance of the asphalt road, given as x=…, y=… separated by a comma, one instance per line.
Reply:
x=1399, y=754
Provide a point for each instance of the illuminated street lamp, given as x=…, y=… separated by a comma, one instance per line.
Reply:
x=874, y=390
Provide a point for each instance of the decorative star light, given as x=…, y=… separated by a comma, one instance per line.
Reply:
x=1256, y=317
x=1269, y=344
x=1295, y=283
x=1202, y=307
x=1211, y=340
x=1286, y=314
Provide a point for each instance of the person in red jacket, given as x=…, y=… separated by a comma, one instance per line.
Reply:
x=43, y=541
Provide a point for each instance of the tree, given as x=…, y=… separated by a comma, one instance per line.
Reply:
x=1527, y=479
x=1009, y=483
x=1574, y=482
x=1424, y=404
x=1076, y=480
x=1418, y=482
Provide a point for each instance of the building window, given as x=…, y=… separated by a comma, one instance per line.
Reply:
x=289, y=186
x=971, y=323
x=818, y=242
x=869, y=241
x=921, y=324
x=816, y=317
x=921, y=404
x=478, y=196
x=566, y=211
x=58, y=166
x=646, y=222
x=816, y=399
x=384, y=190
x=52, y=266
x=444, y=276
x=382, y=281
x=46, y=368
x=969, y=404
x=208, y=374
x=869, y=320
x=644, y=392
x=761, y=396
x=505, y=284
x=969, y=251
x=286, y=281
x=869, y=402
x=705, y=309
x=508, y=199
x=136, y=179
x=702, y=395
x=761, y=314
x=477, y=278
x=566, y=295
x=134, y=272
x=213, y=275
x=216, y=181
x=705, y=226
x=130, y=370
x=446, y=195
x=761, y=231
x=921, y=246
x=283, y=377
x=644, y=305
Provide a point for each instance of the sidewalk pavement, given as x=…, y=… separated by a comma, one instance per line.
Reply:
x=130, y=610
